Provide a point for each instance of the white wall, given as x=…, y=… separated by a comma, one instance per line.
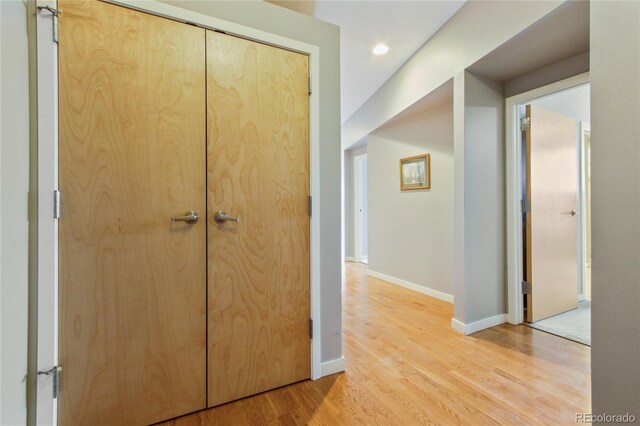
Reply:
x=14, y=186
x=411, y=232
x=278, y=20
x=479, y=205
x=615, y=145
x=476, y=29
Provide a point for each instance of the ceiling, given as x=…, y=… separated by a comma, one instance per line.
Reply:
x=560, y=35
x=436, y=98
x=404, y=26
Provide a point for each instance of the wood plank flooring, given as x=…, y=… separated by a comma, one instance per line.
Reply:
x=407, y=366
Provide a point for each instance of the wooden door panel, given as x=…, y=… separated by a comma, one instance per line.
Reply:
x=552, y=173
x=132, y=154
x=257, y=169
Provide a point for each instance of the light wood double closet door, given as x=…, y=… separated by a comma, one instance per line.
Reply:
x=159, y=318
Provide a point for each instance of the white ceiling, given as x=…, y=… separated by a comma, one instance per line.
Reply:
x=404, y=26
x=560, y=35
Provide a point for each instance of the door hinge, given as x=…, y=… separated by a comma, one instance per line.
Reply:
x=526, y=287
x=56, y=204
x=525, y=206
x=310, y=205
x=54, y=372
x=525, y=124
x=54, y=15
x=310, y=328
x=309, y=83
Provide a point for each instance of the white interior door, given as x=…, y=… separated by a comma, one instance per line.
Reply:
x=551, y=220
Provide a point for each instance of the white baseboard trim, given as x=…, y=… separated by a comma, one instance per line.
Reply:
x=458, y=326
x=471, y=328
x=350, y=259
x=412, y=286
x=332, y=367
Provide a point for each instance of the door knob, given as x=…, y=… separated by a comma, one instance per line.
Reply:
x=221, y=217
x=189, y=217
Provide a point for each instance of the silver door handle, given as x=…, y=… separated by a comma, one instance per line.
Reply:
x=189, y=217
x=221, y=217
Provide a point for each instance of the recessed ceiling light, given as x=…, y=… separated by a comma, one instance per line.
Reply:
x=380, y=49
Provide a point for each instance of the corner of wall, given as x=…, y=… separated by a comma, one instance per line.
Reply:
x=480, y=234
x=615, y=147
x=14, y=222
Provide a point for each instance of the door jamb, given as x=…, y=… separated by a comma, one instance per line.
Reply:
x=43, y=227
x=514, y=172
x=582, y=291
x=44, y=253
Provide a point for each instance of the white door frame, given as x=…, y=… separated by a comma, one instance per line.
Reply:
x=514, y=173
x=47, y=151
x=584, y=127
x=46, y=252
x=357, y=198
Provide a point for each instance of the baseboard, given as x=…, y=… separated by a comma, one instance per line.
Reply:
x=332, y=367
x=581, y=297
x=350, y=259
x=475, y=326
x=412, y=286
x=458, y=326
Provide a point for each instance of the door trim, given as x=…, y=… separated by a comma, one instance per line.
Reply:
x=43, y=228
x=44, y=159
x=582, y=291
x=514, y=171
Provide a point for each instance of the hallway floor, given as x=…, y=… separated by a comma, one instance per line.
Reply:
x=406, y=365
x=574, y=325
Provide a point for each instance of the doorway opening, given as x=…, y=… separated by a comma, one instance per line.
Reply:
x=360, y=209
x=556, y=205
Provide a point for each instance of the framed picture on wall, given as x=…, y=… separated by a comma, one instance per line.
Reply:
x=415, y=173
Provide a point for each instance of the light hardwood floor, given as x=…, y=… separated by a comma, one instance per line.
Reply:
x=406, y=365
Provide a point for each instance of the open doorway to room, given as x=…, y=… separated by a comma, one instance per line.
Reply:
x=555, y=207
x=360, y=214
x=356, y=203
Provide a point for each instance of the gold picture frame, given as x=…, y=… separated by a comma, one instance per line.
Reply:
x=415, y=172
